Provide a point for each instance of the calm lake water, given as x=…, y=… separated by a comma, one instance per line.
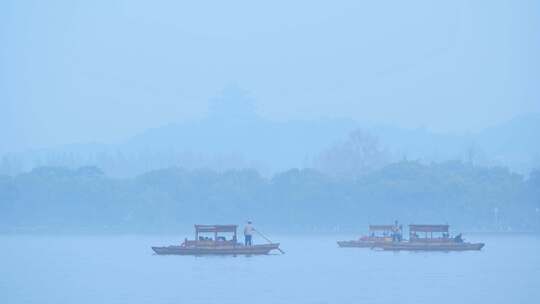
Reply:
x=123, y=269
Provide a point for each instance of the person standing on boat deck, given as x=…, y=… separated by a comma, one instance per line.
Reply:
x=248, y=233
x=396, y=232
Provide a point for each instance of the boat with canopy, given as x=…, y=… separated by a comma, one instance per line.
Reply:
x=212, y=240
x=378, y=234
x=431, y=238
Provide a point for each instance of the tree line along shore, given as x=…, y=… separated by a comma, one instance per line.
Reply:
x=474, y=198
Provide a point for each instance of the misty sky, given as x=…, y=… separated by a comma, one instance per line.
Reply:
x=102, y=71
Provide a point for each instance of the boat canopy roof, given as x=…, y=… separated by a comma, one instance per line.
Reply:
x=215, y=228
x=380, y=227
x=428, y=228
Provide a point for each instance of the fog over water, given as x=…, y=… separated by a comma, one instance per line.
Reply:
x=124, y=123
x=122, y=269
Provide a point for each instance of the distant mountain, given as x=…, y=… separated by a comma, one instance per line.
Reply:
x=234, y=136
x=514, y=143
x=277, y=145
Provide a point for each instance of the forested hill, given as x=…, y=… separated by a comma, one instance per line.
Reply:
x=232, y=138
x=53, y=199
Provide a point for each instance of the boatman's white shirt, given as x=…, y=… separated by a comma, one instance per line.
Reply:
x=248, y=230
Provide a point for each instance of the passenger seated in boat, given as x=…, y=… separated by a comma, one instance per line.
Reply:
x=220, y=239
x=458, y=238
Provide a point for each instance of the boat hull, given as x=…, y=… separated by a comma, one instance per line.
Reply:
x=216, y=250
x=421, y=246
x=360, y=244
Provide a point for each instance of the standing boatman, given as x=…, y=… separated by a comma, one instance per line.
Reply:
x=248, y=233
x=396, y=232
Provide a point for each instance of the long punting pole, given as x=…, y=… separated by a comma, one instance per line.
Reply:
x=268, y=240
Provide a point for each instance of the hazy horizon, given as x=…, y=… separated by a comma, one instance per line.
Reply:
x=79, y=72
x=331, y=143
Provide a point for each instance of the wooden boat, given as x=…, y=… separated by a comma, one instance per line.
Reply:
x=430, y=243
x=442, y=246
x=378, y=235
x=218, y=245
